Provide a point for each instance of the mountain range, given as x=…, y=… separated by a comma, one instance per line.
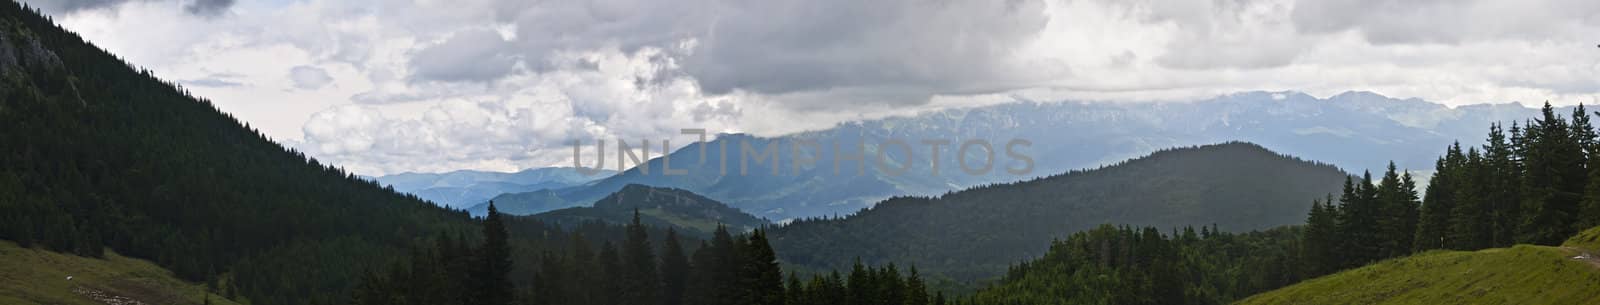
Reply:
x=465, y=188
x=1352, y=130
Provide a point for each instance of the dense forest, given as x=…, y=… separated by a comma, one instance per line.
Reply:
x=137, y=165
x=727, y=269
x=1538, y=185
x=1126, y=265
x=975, y=234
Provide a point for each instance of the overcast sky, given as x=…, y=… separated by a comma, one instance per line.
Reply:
x=433, y=85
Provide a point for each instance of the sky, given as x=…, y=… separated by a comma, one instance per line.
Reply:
x=390, y=86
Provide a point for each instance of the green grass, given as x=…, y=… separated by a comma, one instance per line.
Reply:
x=33, y=276
x=1519, y=275
x=1587, y=240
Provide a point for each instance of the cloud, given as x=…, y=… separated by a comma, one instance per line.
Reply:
x=1448, y=22
x=526, y=121
x=213, y=81
x=206, y=8
x=501, y=84
x=471, y=55
x=309, y=78
x=778, y=47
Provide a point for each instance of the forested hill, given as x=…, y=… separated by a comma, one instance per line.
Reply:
x=976, y=233
x=96, y=153
x=659, y=207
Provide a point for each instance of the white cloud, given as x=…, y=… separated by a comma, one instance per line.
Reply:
x=309, y=78
x=384, y=86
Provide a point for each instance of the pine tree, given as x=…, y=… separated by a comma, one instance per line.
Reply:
x=760, y=276
x=491, y=276
x=795, y=292
x=640, y=281
x=1554, y=174
x=583, y=282
x=1438, y=205
x=1321, y=239
x=548, y=284
x=674, y=270
x=1502, y=185
x=916, y=290
x=1470, y=225
x=1398, y=219
x=859, y=289
x=1360, y=225
x=607, y=288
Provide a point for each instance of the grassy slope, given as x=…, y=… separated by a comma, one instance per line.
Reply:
x=32, y=276
x=1519, y=275
x=1587, y=240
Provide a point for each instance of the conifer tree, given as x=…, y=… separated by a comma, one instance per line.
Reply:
x=1502, y=186
x=491, y=277
x=916, y=291
x=1553, y=180
x=674, y=270
x=1321, y=239
x=1439, y=203
x=640, y=282
x=606, y=289
x=760, y=276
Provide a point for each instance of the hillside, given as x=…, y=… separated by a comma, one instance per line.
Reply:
x=658, y=207
x=1522, y=274
x=33, y=276
x=97, y=154
x=976, y=233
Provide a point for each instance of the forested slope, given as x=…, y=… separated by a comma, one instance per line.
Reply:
x=976, y=233
x=96, y=153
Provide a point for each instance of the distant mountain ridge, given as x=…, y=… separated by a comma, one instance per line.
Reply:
x=465, y=188
x=658, y=207
x=1353, y=130
x=975, y=233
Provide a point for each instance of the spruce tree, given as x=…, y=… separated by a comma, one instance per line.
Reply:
x=1321, y=239
x=491, y=276
x=1439, y=203
x=674, y=270
x=1553, y=180
x=640, y=282
x=760, y=276
x=1502, y=185
x=1394, y=202
x=606, y=290
x=916, y=290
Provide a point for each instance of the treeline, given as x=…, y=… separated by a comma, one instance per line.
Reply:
x=1539, y=184
x=1126, y=265
x=96, y=154
x=728, y=269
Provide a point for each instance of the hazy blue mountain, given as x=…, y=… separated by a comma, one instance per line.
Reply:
x=976, y=233
x=1353, y=130
x=690, y=214
x=465, y=188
